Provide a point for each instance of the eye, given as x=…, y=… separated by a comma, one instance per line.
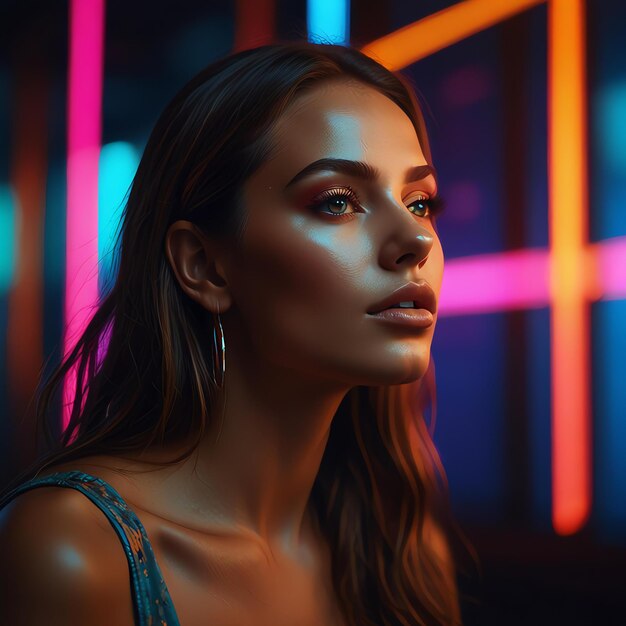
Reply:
x=434, y=205
x=336, y=200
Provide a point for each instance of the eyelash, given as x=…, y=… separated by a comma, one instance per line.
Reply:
x=435, y=205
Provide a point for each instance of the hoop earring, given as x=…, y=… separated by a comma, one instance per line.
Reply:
x=219, y=363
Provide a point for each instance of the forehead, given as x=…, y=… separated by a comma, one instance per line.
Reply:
x=348, y=120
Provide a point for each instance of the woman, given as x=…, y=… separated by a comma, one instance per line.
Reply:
x=285, y=197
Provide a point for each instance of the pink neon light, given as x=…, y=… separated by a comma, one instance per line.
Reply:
x=611, y=267
x=494, y=282
x=84, y=134
x=519, y=280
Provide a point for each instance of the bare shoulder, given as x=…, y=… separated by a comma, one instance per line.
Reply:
x=61, y=562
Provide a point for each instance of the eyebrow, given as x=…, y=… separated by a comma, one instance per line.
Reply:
x=358, y=169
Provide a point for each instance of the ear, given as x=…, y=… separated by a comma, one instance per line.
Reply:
x=196, y=262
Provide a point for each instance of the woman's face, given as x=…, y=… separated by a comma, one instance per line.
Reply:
x=303, y=279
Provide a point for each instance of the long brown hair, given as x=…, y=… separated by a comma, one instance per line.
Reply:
x=380, y=496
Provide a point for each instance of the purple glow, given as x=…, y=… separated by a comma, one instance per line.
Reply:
x=466, y=86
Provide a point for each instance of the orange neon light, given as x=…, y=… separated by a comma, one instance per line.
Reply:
x=440, y=30
x=25, y=303
x=571, y=408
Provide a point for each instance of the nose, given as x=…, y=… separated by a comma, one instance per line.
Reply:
x=407, y=242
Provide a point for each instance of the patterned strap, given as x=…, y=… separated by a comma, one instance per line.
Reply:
x=152, y=603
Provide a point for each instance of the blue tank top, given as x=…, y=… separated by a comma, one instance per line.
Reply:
x=152, y=603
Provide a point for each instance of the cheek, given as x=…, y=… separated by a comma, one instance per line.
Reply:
x=295, y=279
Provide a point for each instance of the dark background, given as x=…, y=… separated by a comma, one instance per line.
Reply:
x=485, y=103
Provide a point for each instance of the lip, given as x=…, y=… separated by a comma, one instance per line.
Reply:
x=417, y=318
x=421, y=293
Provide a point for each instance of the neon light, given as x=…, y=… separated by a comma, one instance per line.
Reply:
x=609, y=331
x=118, y=164
x=28, y=179
x=520, y=279
x=8, y=217
x=328, y=21
x=611, y=122
x=439, y=30
x=571, y=404
x=609, y=260
x=512, y=280
x=84, y=128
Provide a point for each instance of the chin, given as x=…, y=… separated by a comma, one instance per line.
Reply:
x=401, y=371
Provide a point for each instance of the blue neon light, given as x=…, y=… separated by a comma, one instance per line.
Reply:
x=118, y=164
x=8, y=206
x=328, y=21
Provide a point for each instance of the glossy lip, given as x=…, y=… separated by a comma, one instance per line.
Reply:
x=418, y=318
x=421, y=293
